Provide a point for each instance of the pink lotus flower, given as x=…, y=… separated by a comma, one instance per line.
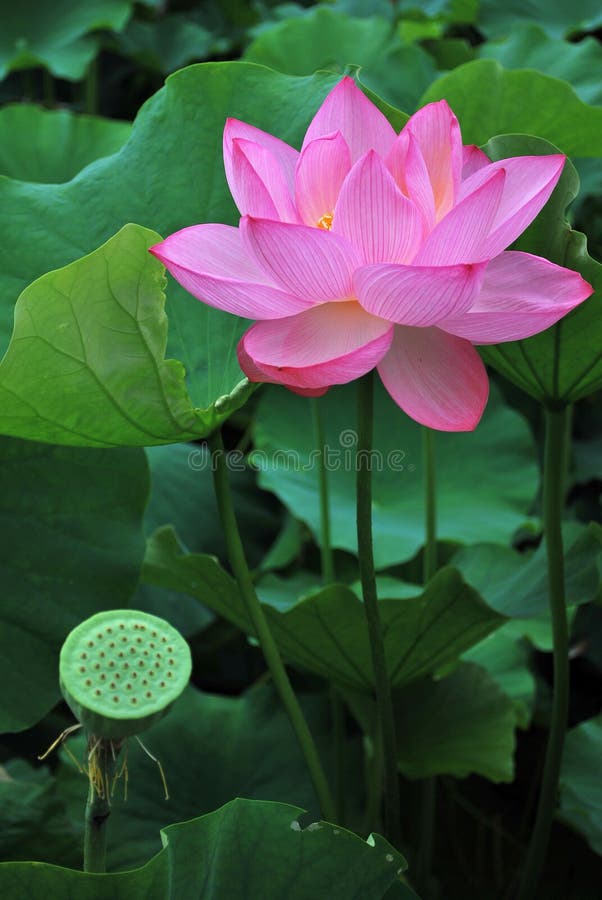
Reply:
x=369, y=249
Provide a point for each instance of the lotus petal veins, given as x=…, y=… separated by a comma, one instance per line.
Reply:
x=373, y=249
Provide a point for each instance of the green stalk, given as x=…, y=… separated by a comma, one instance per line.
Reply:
x=384, y=700
x=554, y=468
x=337, y=707
x=328, y=575
x=268, y=645
x=103, y=764
x=429, y=564
x=428, y=787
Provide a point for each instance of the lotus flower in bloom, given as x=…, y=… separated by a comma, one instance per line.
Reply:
x=368, y=248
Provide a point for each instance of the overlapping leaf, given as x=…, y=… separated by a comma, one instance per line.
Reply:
x=168, y=175
x=489, y=100
x=325, y=38
x=325, y=631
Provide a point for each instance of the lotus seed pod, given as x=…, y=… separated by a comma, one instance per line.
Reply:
x=121, y=670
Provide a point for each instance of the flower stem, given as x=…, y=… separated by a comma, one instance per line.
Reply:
x=102, y=766
x=337, y=707
x=428, y=787
x=328, y=575
x=429, y=563
x=384, y=700
x=268, y=645
x=554, y=468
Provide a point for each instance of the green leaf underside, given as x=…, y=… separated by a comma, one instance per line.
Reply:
x=324, y=632
x=167, y=176
x=500, y=450
x=86, y=363
x=255, y=843
x=72, y=545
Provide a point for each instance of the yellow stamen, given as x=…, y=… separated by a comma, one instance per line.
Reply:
x=325, y=221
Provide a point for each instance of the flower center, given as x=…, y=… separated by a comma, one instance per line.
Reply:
x=325, y=221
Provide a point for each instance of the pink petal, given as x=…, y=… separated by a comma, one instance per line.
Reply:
x=259, y=187
x=255, y=374
x=437, y=131
x=521, y=296
x=374, y=216
x=529, y=182
x=473, y=159
x=321, y=170
x=284, y=156
x=348, y=110
x=419, y=296
x=211, y=262
x=407, y=166
x=459, y=236
x=329, y=344
x=437, y=379
x=304, y=261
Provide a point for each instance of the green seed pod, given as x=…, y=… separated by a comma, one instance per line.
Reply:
x=121, y=670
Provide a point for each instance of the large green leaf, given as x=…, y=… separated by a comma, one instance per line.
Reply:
x=489, y=100
x=33, y=820
x=325, y=38
x=580, y=783
x=516, y=584
x=55, y=33
x=97, y=331
x=168, y=175
x=325, y=631
x=166, y=44
x=52, y=145
x=558, y=17
x=71, y=524
x=529, y=47
x=563, y=363
x=248, y=845
x=501, y=450
x=211, y=748
x=506, y=658
x=459, y=725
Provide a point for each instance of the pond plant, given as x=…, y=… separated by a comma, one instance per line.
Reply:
x=331, y=536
